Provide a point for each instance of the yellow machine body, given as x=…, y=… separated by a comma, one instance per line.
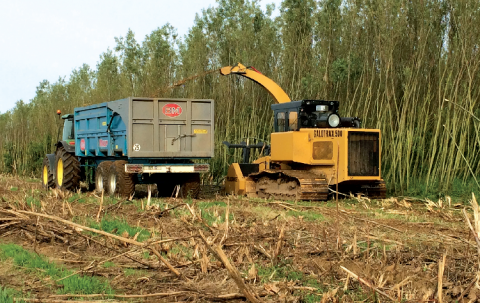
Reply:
x=326, y=150
x=306, y=163
x=319, y=152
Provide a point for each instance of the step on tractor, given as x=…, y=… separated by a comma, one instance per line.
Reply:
x=312, y=150
x=115, y=145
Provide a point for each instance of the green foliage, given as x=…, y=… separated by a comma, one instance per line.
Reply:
x=8, y=157
x=119, y=226
x=307, y=215
x=214, y=212
x=108, y=264
x=73, y=198
x=79, y=198
x=134, y=272
x=208, y=204
x=394, y=64
x=7, y=295
x=33, y=201
x=460, y=190
x=181, y=250
x=286, y=271
x=74, y=284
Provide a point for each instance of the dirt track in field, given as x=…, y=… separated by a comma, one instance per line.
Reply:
x=284, y=251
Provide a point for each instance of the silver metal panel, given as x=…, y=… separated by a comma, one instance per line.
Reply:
x=165, y=128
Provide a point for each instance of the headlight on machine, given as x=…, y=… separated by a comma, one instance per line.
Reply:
x=328, y=120
x=333, y=120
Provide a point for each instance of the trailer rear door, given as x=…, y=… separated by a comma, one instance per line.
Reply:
x=166, y=128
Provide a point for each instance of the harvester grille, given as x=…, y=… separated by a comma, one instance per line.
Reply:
x=363, y=154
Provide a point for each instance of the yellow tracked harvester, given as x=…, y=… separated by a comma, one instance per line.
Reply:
x=312, y=149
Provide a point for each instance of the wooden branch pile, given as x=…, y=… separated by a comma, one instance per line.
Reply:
x=54, y=228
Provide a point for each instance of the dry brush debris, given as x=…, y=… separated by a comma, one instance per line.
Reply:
x=237, y=249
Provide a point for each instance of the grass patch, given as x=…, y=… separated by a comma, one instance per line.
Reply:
x=108, y=264
x=13, y=188
x=7, y=295
x=459, y=190
x=204, y=205
x=77, y=198
x=421, y=217
x=109, y=200
x=119, y=227
x=215, y=216
x=178, y=213
x=265, y=213
x=306, y=215
x=41, y=266
x=134, y=272
x=33, y=201
x=181, y=251
x=285, y=271
x=146, y=255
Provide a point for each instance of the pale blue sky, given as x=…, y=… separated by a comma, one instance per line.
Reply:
x=48, y=39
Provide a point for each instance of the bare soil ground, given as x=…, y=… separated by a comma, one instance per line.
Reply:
x=362, y=251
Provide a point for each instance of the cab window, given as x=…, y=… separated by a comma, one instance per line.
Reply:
x=281, y=122
x=292, y=121
x=68, y=130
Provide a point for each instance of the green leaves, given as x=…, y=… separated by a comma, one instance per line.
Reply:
x=390, y=62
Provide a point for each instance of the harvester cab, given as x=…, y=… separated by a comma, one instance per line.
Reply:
x=310, y=114
x=312, y=149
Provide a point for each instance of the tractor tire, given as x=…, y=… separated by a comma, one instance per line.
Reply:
x=120, y=183
x=101, y=177
x=190, y=187
x=68, y=170
x=47, y=175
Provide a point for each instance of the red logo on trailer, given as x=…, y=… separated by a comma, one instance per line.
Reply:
x=172, y=110
x=82, y=144
x=102, y=143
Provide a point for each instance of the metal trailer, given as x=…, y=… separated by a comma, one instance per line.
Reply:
x=115, y=145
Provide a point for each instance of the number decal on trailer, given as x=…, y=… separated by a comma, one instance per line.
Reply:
x=136, y=147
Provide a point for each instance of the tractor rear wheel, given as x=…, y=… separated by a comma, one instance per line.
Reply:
x=47, y=175
x=119, y=182
x=191, y=186
x=101, y=177
x=68, y=170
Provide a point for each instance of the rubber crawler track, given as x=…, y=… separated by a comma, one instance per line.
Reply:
x=290, y=185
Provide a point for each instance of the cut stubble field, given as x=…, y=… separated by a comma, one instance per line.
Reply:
x=61, y=246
